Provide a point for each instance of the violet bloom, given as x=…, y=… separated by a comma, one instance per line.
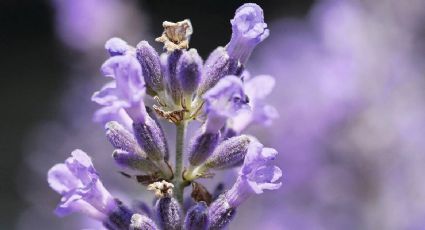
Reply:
x=248, y=29
x=174, y=81
x=81, y=189
x=126, y=92
x=256, y=175
x=260, y=112
x=223, y=101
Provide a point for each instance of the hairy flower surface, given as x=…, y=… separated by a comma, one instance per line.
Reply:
x=217, y=93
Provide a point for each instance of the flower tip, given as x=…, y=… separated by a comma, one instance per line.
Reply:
x=80, y=156
x=248, y=29
x=116, y=46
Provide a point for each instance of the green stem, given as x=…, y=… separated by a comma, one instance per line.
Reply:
x=178, y=180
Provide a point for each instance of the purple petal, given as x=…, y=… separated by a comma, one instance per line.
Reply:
x=255, y=92
x=106, y=95
x=61, y=179
x=116, y=46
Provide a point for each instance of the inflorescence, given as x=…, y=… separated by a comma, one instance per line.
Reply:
x=220, y=94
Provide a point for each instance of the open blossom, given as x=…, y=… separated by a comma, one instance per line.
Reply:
x=260, y=112
x=81, y=189
x=256, y=175
x=248, y=29
x=128, y=89
x=224, y=101
x=184, y=89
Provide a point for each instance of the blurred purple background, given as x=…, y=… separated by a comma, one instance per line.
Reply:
x=350, y=80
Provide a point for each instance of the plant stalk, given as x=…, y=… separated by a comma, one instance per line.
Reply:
x=178, y=180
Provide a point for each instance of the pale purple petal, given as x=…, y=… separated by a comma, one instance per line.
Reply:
x=223, y=101
x=253, y=90
x=61, y=179
x=78, y=183
x=106, y=95
x=116, y=46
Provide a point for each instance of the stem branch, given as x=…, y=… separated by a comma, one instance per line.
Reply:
x=178, y=180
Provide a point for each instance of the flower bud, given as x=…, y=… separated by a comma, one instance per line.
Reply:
x=220, y=213
x=119, y=218
x=169, y=213
x=173, y=85
x=133, y=161
x=229, y=153
x=141, y=222
x=121, y=138
x=189, y=71
x=151, y=139
x=151, y=67
x=197, y=217
x=202, y=145
x=152, y=114
x=216, y=67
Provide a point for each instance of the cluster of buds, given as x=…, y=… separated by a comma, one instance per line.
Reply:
x=220, y=94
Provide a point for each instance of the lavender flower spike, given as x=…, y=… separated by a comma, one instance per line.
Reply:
x=81, y=189
x=248, y=29
x=223, y=101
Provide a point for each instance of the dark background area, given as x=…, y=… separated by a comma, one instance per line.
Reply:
x=33, y=67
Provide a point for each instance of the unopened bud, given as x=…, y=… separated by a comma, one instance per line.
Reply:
x=216, y=67
x=169, y=213
x=141, y=222
x=229, y=153
x=201, y=146
x=118, y=218
x=173, y=84
x=151, y=139
x=189, y=70
x=133, y=161
x=197, y=217
x=220, y=213
x=121, y=138
x=151, y=67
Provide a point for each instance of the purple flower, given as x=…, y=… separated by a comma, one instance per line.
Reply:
x=261, y=112
x=81, y=189
x=248, y=29
x=125, y=93
x=223, y=101
x=256, y=175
